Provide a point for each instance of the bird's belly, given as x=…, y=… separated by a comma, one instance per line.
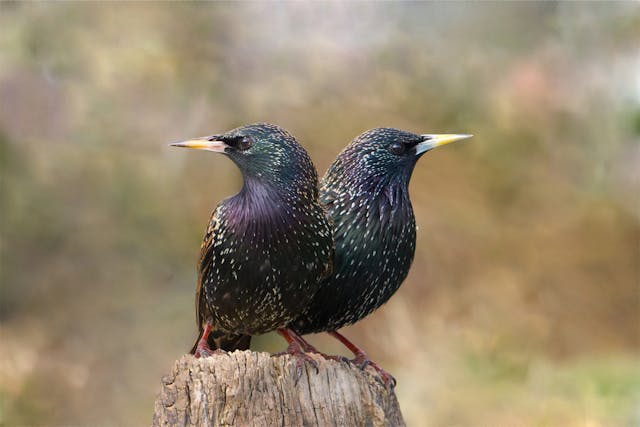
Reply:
x=256, y=298
x=355, y=290
x=343, y=302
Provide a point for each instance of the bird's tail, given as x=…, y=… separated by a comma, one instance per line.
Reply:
x=223, y=341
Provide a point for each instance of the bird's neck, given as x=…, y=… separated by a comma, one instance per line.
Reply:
x=383, y=188
x=264, y=202
x=258, y=197
x=366, y=179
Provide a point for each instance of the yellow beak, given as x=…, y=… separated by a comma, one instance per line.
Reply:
x=436, y=140
x=208, y=143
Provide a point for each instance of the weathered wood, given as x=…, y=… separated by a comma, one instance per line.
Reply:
x=246, y=388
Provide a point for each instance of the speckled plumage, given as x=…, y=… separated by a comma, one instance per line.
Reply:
x=266, y=248
x=366, y=192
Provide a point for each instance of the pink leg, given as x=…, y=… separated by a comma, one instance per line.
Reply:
x=362, y=360
x=202, y=349
x=306, y=345
x=311, y=349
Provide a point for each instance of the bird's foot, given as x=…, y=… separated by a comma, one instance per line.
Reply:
x=202, y=351
x=309, y=348
x=301, y=357
x=297, y=350
x=205, y=351
x=336, y=358
x=362, y=361
x=312, y=349
x=202, y=348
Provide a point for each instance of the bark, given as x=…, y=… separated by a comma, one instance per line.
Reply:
x=246, y=388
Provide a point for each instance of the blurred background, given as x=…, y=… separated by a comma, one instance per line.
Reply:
x=523, y=304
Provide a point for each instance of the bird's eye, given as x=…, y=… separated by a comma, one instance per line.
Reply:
x=244, y=143
x=240, y=143
x=396, y=148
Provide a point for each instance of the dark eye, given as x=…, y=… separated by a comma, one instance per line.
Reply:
x=244, y=143
x=396, y=148
x=240, y=143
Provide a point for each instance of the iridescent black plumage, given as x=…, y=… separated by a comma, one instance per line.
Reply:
x=266, y=248
x=366, y=192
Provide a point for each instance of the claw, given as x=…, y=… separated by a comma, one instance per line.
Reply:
x=339, y=359
x=299, y=348
x=296, y=349
x=207, y=352
x=362, y=360
x=308, y=348
x=301, y=358
x=203, y=352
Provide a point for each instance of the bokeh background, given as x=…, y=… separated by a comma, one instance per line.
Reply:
x=523, y=304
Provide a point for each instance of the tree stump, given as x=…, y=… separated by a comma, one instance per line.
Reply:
x=246, y=388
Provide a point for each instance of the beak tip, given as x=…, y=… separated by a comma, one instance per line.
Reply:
x=204, y=143
x=436, y=140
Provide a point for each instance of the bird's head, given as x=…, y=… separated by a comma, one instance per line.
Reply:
x=388, y=154
x=263, y=152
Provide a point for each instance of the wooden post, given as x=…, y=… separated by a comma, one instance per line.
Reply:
x=246, y=388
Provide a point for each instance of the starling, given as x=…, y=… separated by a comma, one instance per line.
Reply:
x=366, y=193
x=266, y=249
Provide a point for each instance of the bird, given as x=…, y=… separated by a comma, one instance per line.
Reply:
x=366, y=193
x=265, y=249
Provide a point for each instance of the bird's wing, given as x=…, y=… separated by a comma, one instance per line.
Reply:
x=327, y=198
x=206, y=252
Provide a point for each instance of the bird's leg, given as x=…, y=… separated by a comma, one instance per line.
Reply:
x=203, y=349
x=296, y=349
x=306, y=345
x=361, y=359
x=309, y=348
